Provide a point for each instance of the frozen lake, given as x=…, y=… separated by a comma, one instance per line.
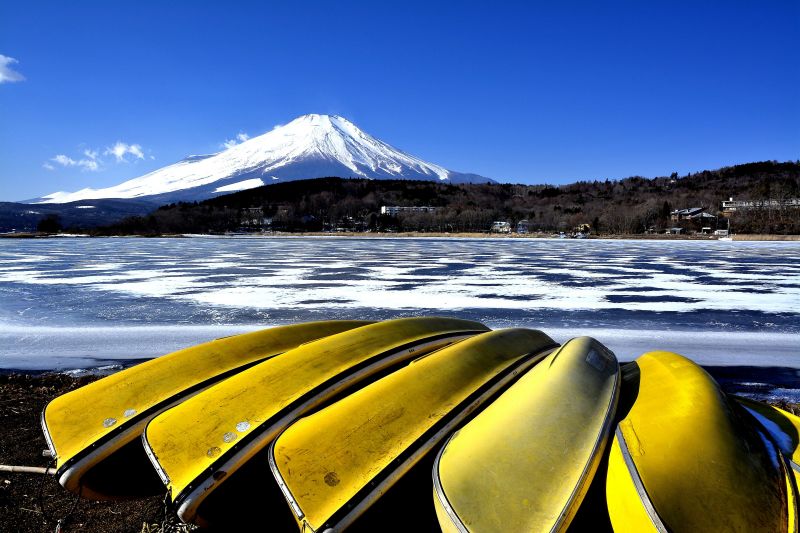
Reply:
x=73, y=303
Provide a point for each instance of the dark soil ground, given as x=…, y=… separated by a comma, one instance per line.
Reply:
x=35, y=502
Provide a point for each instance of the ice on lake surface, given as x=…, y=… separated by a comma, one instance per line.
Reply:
x=70, y=303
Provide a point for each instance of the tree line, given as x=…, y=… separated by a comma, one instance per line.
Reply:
x=628, y=206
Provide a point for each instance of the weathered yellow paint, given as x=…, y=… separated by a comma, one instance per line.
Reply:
x=702, y=466
x=525, y=462
x=202, y=433
x=375, y=434
x=112, y=405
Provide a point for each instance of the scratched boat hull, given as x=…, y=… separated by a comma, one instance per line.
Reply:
x=686, y=458
x=93, y=432
x=199, y=444
x=334, y=464
x=525, y=462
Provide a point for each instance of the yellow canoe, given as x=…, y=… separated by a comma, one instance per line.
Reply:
x=684, y=459
x=333, y=464
x=782, y=426
x=526, y=461
x=92, y=431
x=199, y=443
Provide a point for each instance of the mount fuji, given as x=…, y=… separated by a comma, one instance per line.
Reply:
x=311, y=146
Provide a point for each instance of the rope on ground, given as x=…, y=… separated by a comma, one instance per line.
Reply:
x=59, y=522
x=27, y=469
x=168, y=522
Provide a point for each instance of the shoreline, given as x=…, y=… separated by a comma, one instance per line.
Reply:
x=77, y=350
x=413, y=235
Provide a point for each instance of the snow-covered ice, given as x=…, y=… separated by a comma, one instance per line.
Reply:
x=67, y=303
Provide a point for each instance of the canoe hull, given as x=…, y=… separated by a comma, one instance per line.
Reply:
x=336, y=463
x=684, y=458
x=526, y=461
x=90, y=430
x=198, y=445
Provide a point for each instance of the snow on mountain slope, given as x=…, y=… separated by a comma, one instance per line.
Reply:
x=311, y=146
x=241, y=185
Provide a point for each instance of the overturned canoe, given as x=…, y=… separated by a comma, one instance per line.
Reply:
x=782, y=426
x=684, y=459
x=525, y=462
x=93, y=431
x=198, y=444
x=335, y=463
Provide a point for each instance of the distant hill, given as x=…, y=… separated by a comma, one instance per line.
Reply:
x=21, y=217
x=631, y=205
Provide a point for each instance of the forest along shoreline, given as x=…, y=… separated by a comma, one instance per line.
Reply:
x=410, y=234
x=750, y=199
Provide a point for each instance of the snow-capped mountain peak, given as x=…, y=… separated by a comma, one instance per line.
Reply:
x=310, y=146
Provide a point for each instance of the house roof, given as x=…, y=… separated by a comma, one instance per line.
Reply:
x=689, y=211
x=702, y=215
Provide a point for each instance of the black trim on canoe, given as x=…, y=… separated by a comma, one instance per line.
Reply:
x=429, y=434
x=309, y=395
x=88, y=450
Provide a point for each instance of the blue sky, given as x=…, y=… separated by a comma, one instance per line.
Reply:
x=523, y=92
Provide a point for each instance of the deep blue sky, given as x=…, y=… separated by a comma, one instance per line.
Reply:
x=519, y=92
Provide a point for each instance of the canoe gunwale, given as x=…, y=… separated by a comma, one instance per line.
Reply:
x=583, y=481
x=792, y=490
x=287, y=492
x=84, y=460
x=191, y=497
x=364, y=498
x=438, y=491
x=633, y=472
x=48, y=439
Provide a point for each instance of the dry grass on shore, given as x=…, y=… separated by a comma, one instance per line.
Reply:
x=23, y=496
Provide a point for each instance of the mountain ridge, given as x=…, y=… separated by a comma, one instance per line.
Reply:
x=310, y=146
